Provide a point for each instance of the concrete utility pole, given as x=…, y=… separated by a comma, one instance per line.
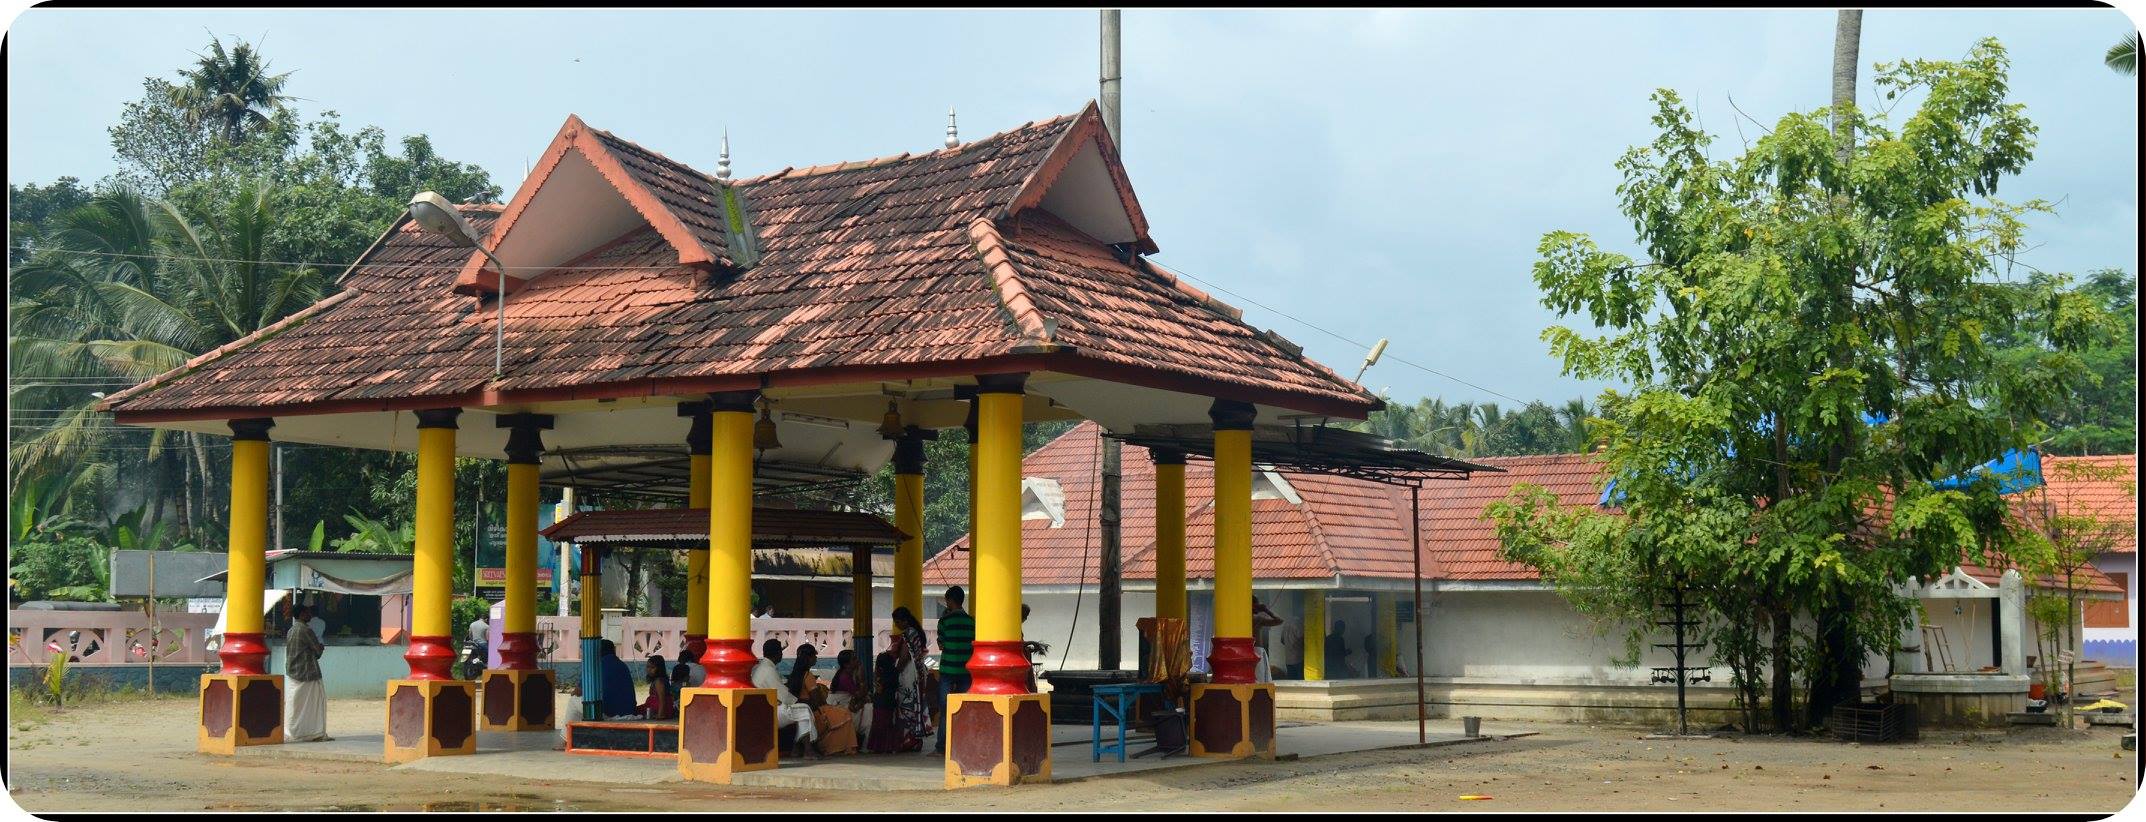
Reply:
x=1112, y=74
x=1109, y=580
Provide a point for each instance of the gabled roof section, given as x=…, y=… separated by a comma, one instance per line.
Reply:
x=877, y=269
x=1083, y=182
x=562, y=211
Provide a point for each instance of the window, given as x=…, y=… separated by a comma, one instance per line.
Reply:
x=2111, y=613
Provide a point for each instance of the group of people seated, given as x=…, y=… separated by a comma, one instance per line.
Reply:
x=893, y=707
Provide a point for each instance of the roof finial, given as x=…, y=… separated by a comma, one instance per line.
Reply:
x=722, y=161
x=952, y=139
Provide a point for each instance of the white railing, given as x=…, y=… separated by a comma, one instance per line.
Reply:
x=108, y=637
x=560, y=637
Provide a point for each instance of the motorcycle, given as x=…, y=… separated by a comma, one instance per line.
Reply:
x=471, y=664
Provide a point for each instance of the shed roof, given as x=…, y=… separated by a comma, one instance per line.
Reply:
x=688, y=527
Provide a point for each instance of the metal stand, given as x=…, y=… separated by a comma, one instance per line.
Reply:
x=1681, y=673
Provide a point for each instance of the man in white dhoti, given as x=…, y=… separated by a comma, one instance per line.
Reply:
x=308, y=699
x=791, y=710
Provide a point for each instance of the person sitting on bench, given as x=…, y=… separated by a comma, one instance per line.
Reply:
x=789, y=711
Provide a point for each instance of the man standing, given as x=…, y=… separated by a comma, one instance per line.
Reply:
x=1337, y=652
x=957, y=635
x=308, y=719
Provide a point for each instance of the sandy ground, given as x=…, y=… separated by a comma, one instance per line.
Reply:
x=139, y=756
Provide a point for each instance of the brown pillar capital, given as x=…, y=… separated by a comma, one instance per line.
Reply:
x=525, y=438
x=909, y=450
x=733, y=400
x=1166, y=456
x=252, y=428
x=438, y=417
x=1231, y=415
x=698, y=438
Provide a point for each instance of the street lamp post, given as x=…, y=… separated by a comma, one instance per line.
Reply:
x=436, y=215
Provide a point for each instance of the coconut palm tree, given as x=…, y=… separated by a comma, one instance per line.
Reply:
x=127, y=288
x=231, y=89
x=2123, y=58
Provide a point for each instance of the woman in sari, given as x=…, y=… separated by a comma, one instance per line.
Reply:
x=885, y=734
x=914, y=715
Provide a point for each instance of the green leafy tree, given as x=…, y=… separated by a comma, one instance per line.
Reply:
x=1807, y=341
x=2100, y=417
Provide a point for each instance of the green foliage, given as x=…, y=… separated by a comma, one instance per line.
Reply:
x=59, y=566
x=56, y=679
x=372, y=536
x=464, y=611
x=1787, y=294
x=1484, y=429
x=227, y=213
x=2101, y=313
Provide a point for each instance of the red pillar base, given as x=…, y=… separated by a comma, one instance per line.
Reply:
x=728, y=663
x=998, y=667
x=430, y=657
x=518, y=651
x=239, y=710
x=725, y=731
x=997, y=739
x=430, y=717
x=1233, y=660
x=517, y=700
x=1233, y=721
x=243, y=654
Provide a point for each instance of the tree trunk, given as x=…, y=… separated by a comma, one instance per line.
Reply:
x=1783, y=702
x=1841, y=675
x=1847, y=46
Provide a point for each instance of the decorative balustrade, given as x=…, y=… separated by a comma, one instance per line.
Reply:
x=559, y=638
x=124, y=637
x=108, y=637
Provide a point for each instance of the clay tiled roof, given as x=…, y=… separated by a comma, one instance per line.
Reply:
x=2104, y=488
x=1465, y=544
x=880, y=268
x=1344, y=526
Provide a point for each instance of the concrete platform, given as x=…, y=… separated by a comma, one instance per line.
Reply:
x=537, y=756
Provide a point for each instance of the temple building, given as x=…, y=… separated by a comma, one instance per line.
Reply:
x=625, y=314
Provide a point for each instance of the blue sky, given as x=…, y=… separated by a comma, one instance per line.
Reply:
x=1378, y=174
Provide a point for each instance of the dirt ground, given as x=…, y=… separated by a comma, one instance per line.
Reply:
x=138, y=755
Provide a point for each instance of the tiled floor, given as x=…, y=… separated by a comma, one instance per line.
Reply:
x=531, y=755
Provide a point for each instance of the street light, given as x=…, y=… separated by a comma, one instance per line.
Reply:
x=436, y=215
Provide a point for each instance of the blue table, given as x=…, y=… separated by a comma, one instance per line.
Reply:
x=1118, y=700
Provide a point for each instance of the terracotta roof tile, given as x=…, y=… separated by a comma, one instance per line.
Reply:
x=894, y=261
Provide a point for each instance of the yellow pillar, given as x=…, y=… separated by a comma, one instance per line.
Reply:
x=504, y=687
x=1314, y=636
x=1389, y=632
x=998, y=666
x=431, y=654
x=243, y=688
x=730, y=542
x=909, y=518
x=525, y=450
x=1232, y=659
x=1169, y=534
x=244, y=650
x=971, y=427
x=697, y=445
